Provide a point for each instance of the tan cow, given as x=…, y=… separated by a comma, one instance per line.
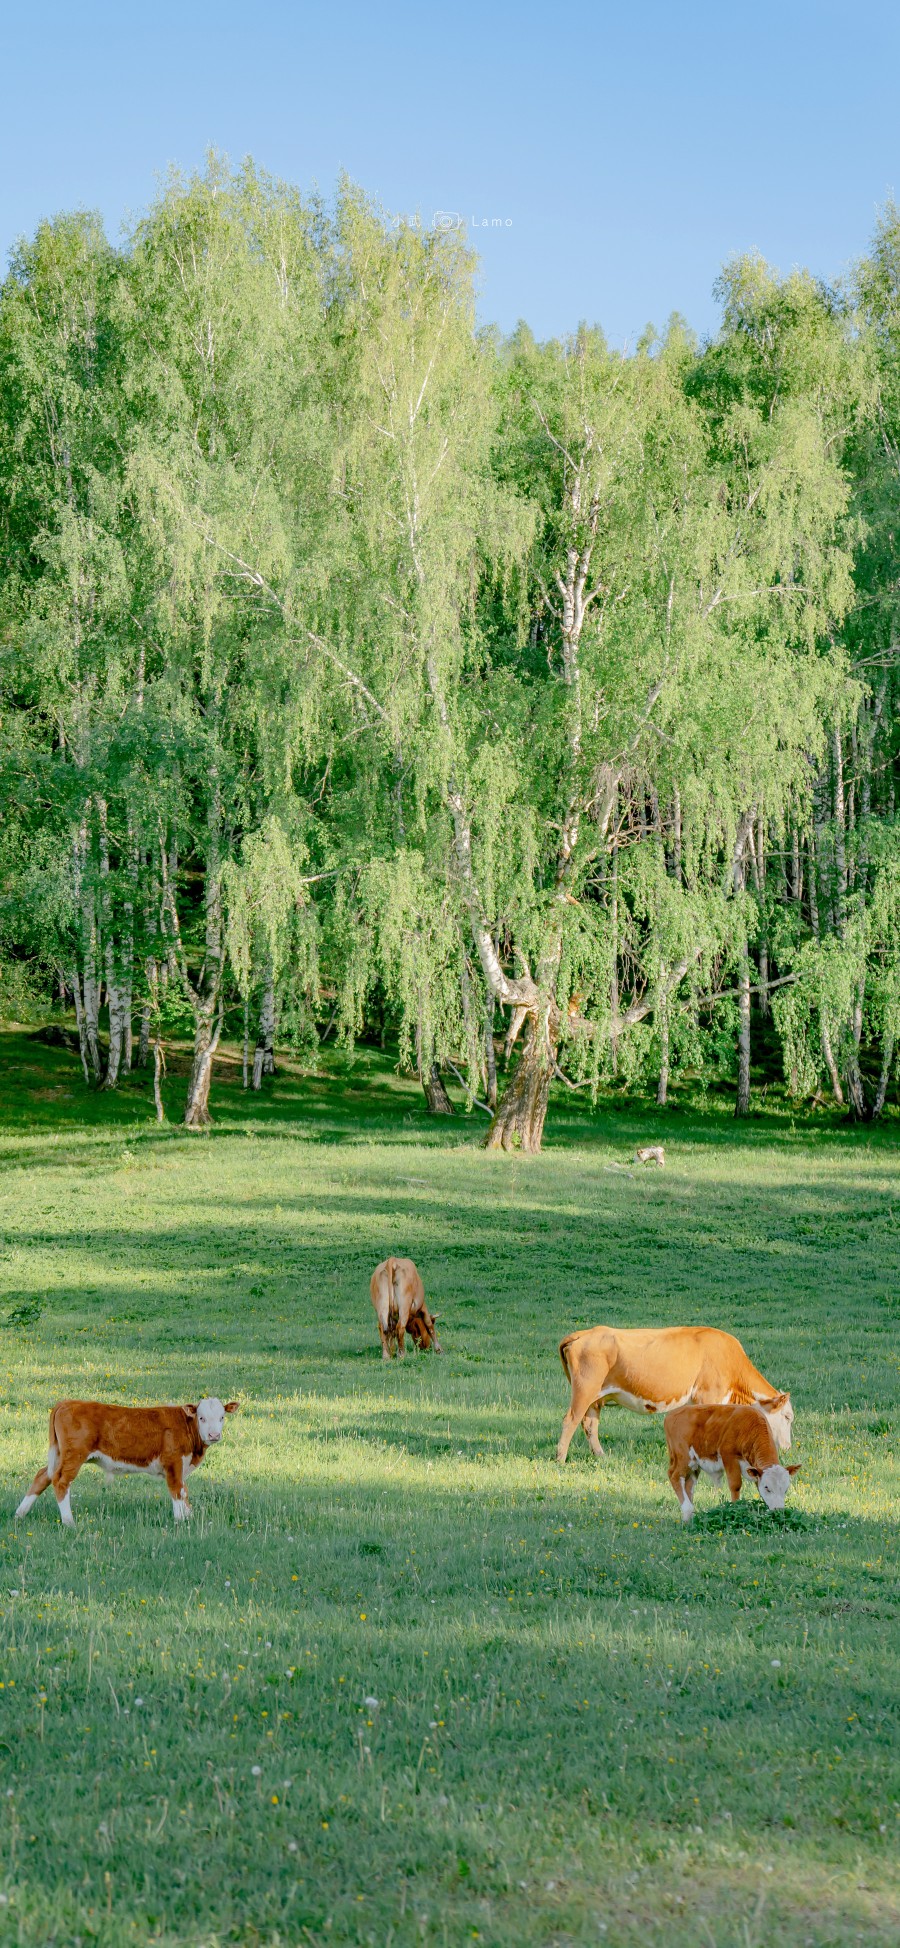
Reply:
x=398, y=1296
x=736, y=1442
x=653, y=1369
x=167, y=1441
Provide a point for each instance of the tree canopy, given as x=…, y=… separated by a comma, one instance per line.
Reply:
x=364, y=672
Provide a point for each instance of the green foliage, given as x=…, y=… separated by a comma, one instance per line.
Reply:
x=530, y=661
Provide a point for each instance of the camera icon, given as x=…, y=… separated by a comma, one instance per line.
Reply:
x=447, y=220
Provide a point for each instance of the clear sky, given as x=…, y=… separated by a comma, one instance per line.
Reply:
x=623, y=152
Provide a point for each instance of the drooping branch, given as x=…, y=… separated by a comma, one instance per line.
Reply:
x=514, y=993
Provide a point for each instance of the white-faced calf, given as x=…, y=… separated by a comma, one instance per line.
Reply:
x=167, y=1441
x=736, y=1442
x=654, y=1369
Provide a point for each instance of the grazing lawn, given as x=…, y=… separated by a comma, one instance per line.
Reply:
x=401, y=1680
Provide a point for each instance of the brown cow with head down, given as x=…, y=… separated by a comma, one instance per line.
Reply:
x=655, y=1368
x=398, y=1296
x=736, y=1442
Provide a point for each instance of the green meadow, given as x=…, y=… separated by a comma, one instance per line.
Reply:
x=401, y=1680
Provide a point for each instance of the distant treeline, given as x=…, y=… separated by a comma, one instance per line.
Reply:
x=357, y=666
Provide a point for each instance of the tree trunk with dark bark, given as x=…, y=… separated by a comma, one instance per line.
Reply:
x=436, y=1096
x=855, y=1089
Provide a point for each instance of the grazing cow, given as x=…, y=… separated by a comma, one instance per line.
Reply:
x=167, y=1441
x=654, y=1368
x=398, y=1296
x=736, y=1442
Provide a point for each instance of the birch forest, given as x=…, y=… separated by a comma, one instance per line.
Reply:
x=530, y=708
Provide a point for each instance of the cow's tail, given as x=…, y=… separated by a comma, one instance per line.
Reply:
x=393, y=1307
x=52, y=1445
x=564, y=1345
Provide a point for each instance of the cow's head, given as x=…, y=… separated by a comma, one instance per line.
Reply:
x=774, y=1483
x=421, y=1329
x=780, y=1415
x=210, y=1417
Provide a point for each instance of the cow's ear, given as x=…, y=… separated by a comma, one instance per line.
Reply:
x=434, y=1316
x=191, y=1408
x=795, y=1468
x=755, y=1472
x=232, y=1406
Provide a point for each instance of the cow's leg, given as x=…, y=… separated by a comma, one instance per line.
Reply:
x=734, y=1479
x=41, y=1481
x=682, y=1482
x=591, y=1425
x=172, y=1469
x=385, y=1350
x=403, y=1312
x=584, y=1404
x=69, y=1466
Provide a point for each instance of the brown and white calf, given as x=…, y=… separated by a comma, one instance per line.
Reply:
x=736, y=1442
x=654, y=1368
x=167, y=1441
x=398, y=1296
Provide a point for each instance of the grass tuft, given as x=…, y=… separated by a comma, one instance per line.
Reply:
x=748, y=1518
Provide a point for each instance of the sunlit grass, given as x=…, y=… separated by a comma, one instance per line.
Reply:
x=589, y=1725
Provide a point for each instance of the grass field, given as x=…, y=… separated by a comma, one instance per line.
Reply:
x=401, y=1680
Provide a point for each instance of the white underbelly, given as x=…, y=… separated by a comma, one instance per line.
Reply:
x=707, y=1465
x=620, y=1397
x=115, y=1467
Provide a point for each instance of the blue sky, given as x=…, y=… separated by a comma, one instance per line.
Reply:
x=619, y=154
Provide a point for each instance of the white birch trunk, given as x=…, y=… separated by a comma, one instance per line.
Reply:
x=74, y=981
x=264, y=1055
x=824, y=1035
x=887, y=1057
